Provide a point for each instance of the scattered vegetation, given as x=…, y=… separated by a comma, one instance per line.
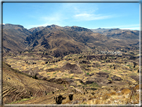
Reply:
x=94, y=85
x=24, y=99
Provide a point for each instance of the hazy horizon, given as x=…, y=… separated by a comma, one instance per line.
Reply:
x=71, y=26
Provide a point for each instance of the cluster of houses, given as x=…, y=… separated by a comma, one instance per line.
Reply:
x=110, y=52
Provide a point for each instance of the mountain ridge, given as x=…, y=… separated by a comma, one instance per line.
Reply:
x=118, y=33
x=66, y=39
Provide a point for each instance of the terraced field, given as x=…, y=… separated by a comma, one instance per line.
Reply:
x=73, y=79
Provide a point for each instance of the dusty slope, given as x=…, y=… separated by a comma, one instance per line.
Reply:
x=18, y=87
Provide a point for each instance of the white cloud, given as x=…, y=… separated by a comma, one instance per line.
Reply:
x=87, y=16
x=134, y=28
x=56, y=18
x=131, y=26
x=85, y=12
x=127, y=26
x=53, y=17
x=49, y=20
x=70, y=12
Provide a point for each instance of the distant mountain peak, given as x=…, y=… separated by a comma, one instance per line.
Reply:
x=12, y=26
x=52, y=26
x=76, y=28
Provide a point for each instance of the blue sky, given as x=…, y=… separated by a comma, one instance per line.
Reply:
x=88, y=15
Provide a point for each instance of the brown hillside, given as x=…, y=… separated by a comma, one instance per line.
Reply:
x=13, y=37
x=18, y=86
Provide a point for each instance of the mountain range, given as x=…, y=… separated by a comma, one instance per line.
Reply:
x=118, y=33
x=60, y=41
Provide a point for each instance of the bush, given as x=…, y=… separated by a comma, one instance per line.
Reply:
x=87, y=73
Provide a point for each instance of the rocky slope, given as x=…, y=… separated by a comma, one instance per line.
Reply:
x=36, y=29
x=13, y=37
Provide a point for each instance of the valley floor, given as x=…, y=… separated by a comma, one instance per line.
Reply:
x=86, y=78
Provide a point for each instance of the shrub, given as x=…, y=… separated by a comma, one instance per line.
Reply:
x=87, y=73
